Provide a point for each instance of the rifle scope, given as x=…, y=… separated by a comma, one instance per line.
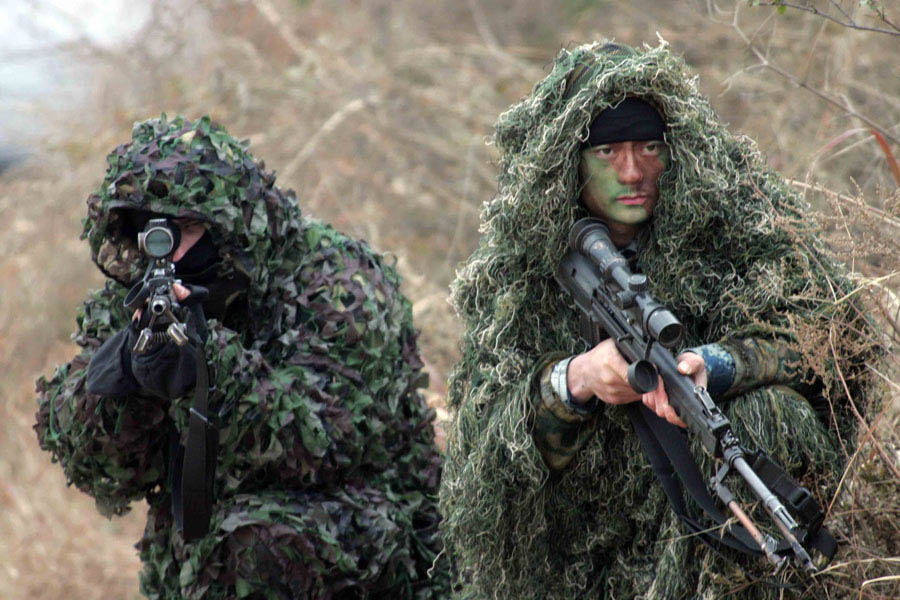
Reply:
x=159, y=239
x=590, y=237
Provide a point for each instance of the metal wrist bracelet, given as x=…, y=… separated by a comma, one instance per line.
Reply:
x=559, y=383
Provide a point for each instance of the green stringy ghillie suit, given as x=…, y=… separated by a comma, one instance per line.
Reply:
x=728, y=250
x=326, y=475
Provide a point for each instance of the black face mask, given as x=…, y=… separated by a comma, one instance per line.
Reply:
x=201, y=265
x=198, y=264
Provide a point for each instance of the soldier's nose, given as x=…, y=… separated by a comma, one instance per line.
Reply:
x=628, y=170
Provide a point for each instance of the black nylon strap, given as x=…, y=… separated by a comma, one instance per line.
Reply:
x=799, y=500
x=824, y=542
x=192, y=495
x=787, y=488
x=666, y=448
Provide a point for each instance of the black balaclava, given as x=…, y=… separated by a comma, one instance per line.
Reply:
x=200, y=265
x=196, y=264
x=633, y=120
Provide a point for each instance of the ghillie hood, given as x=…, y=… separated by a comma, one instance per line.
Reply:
x=729, y=250
x=194, y=169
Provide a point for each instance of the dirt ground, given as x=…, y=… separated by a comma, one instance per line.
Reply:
x=377, y=113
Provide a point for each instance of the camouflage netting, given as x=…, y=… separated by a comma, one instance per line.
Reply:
x=327, y=475
x=729, y=251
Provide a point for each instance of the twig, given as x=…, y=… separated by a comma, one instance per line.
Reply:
x=490, y=40
x=848, y=22
x=327, y=127
x=892, y=321
x=868, y=283
x=859, y=446
x=887, y=379
x=877, y=580
x=854, y=201
x=888, y=156
x=768, y=64
x=887, y=461
x=269, y=11
x=836, y=566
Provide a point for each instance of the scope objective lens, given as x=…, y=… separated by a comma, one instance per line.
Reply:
x=159, y=242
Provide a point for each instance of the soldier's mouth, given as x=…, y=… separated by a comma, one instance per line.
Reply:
x=632, y=200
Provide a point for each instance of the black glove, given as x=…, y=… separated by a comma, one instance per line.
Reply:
x=165, y=370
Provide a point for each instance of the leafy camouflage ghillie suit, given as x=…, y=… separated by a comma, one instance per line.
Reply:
x=326, y=474
x=728, y=251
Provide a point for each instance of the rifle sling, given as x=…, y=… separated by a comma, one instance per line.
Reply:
x=667, y=450
x=194, y=464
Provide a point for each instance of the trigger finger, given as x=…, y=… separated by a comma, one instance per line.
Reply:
x=181, y=292
x=673, y=418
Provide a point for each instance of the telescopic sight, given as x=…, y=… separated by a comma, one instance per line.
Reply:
x=158, y=239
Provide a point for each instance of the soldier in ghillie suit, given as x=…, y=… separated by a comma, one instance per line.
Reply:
x=546, y=492
x=325, y=479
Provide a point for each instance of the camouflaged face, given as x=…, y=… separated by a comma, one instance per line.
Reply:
x=190, y=169
x=326, y=472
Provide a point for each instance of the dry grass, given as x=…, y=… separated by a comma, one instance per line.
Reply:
x=377, y=113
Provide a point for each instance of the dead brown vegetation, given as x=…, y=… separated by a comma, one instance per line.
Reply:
x=377, y=114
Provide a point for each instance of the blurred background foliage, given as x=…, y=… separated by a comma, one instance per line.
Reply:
x=377, y=113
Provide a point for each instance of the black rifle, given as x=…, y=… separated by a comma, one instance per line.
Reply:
x=612, y=298
x=193, y=464
x=158, y=242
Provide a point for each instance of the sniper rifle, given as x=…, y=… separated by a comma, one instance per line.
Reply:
x=611, y=298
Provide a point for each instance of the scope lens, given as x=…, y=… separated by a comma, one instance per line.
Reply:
x=159, y=242
x=664, y=327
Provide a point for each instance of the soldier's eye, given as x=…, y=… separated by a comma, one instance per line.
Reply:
x=603, y=151
x=653, y=148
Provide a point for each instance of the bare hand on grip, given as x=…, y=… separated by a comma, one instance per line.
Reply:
x=602, y=372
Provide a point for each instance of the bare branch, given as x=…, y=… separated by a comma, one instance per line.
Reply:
x=847, y=20
x=765, y=62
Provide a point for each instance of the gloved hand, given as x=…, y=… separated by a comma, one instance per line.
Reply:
x=164, y=370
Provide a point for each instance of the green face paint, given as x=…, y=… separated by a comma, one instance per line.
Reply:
x=605, y=194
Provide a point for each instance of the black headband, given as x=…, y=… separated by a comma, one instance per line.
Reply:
x=633, y=120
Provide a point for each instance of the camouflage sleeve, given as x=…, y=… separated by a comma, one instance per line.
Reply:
x=560, y=429
x=720, y=367
x=738, y=365
x=109, y=447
